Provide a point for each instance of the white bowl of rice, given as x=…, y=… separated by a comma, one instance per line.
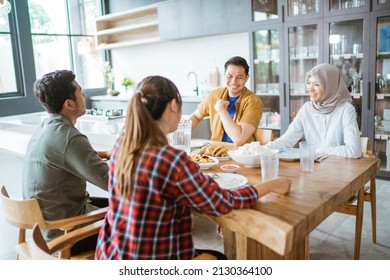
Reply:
x=249, y=154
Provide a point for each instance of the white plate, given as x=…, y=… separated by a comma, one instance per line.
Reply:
x=291, y=154
x=229, y=180
x=198, y=143
x=219, y=158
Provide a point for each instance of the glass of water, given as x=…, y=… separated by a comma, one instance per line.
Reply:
x=181, y=138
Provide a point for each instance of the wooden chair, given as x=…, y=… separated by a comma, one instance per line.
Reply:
x=264, y=135
x=355, y=205
x=39, y=249
x=24, y=214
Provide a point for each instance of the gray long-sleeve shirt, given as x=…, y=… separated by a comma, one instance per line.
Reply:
x=59, y=161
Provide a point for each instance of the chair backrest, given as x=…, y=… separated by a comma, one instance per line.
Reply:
x=366, y=147
x=23, y=214
x=264, y=135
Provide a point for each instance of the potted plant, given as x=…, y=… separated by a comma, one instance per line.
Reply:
x=127, y=82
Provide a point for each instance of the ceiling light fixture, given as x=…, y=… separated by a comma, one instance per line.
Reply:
x=5, y=7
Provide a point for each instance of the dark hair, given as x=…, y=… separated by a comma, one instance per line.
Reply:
x=141, y=131
x=54, y=88
x=238, y=61
x=157, y=92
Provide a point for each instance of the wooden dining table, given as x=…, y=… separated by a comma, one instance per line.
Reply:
x=279, y=226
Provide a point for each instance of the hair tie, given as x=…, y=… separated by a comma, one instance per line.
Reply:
x=141, y=93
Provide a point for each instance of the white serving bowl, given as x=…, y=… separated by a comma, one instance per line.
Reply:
x=247, y=160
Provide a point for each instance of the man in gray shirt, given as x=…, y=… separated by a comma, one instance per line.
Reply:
x=59, y=159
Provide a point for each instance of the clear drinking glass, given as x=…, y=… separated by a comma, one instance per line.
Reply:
x=307, y=154
x=269, y=166
x=181, y=138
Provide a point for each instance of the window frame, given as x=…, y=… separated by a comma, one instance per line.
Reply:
x=23, y=100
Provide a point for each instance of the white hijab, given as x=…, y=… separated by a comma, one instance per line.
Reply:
x=332, y=84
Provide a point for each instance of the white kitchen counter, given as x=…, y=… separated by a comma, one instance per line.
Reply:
x=15, y=131
x=120, y=97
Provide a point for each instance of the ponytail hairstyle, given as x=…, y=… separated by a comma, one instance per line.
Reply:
x=141, y=131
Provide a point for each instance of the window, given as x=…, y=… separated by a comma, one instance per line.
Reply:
x=63, y=38
x=61, y=33
x=7, y=69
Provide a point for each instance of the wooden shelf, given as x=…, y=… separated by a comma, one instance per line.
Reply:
x=302, y=57
x=346, y=56
x=128, y=28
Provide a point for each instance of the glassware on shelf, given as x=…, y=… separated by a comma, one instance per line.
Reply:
x=346, y=4
x=300, y=7
x=264, y=10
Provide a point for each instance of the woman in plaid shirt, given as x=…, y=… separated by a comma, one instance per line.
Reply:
x=153, y=186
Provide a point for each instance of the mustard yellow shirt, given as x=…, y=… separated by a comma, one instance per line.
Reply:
x=249, y=109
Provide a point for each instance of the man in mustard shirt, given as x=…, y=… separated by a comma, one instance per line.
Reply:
x=234, y=110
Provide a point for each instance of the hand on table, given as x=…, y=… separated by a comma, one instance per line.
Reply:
x=280, y=185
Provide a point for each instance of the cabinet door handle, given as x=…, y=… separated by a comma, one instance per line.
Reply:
x=369, y=95
x=282, y=13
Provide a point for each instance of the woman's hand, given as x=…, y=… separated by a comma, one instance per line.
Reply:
x=279, y=185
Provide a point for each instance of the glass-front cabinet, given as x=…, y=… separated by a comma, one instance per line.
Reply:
x=380, y=4
x=289, y=37
x=347, y=37
x=297, y=8
x=380, y=75
x=303, y=46
x=267, y=76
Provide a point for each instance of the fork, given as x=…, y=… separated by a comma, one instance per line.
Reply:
x=321, y=158
x=216, y=176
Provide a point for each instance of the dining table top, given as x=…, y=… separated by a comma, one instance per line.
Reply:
x=280, y=221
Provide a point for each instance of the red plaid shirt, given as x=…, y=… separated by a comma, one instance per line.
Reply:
x=156, y=222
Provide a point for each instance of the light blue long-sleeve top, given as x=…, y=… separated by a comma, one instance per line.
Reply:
x=336, y=133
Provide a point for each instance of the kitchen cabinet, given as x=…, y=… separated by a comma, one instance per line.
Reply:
x=168, y=17
x=171, y=20
x=190, y=18
x=180, y=19
x=284, y=49
x=290, y=37
x=379, y=87
x=214, y=19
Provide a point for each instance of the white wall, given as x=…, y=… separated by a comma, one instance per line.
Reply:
x=174, y=59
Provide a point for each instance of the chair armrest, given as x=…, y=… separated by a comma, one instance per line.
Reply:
x=68, y=224
x=67, y=240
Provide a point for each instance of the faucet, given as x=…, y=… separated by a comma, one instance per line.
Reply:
x=196, y=89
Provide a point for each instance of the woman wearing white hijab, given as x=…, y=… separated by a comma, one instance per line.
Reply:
x=328, y=120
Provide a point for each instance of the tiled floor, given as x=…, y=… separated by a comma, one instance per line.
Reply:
x=331, y=240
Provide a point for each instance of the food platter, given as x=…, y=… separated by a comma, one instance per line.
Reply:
x=197, y=151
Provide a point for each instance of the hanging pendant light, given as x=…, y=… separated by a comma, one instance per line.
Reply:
x=5, y=7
